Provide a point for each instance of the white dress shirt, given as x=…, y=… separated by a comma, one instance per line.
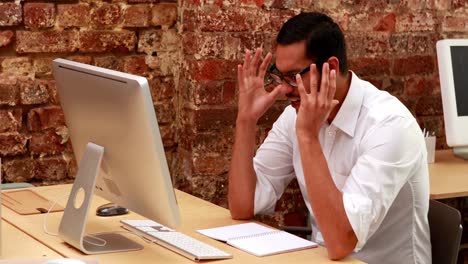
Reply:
x=377, y=157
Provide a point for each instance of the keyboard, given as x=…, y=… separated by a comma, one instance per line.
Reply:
x=175, y=241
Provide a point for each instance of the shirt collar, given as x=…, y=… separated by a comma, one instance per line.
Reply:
x=347, y=116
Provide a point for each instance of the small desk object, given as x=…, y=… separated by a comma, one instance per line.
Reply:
x=448, y=176
x=196, y=214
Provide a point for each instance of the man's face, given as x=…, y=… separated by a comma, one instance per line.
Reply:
x=291, y=59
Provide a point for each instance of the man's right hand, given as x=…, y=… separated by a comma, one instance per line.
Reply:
x=254, y=100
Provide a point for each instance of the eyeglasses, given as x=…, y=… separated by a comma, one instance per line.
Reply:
x=274, y=75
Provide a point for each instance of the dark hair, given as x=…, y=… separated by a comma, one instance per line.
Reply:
x=323, y=38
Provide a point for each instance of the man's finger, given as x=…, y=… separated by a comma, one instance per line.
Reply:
x=263, y=67
x=246, y=60
x=313, y=80
x=300, y=88
x=256, y=60
x=332, y=89
x=324, y=86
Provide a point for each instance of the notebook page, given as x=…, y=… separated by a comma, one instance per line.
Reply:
x=271, y=243
x=229, y=232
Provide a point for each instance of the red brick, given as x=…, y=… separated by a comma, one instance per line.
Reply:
x=370, y=66
x=210, y=188
x=10, y=120
x=81, y=59
x=168, y=135
x=441, y=4
x=18, y=170
x=20, y=67
x=13, y=144
x=164, y=14
x=42, y=67
x=420, y=85
x=215, y=21
x=9, y=92
x=73, y=15
x=136, y=65
x=109, y=62
x=387, y=23
x=207, y=93
x=33, y=93
x=153, y=41
x=10, y=14
x=6, y=38
x=212, y=69
x=458, y=4
x=211, y=164
x=106, y=16
x=39, y=15
x=162, y=88
x=258, y=3
x=455, y=23
x=142, y=1
x=209, y=45
x=51, y=89
x=429, y=105
x=45, y=41
x=46, y=143
x=229, y=92
x=420, y=21
x=51, y=168
x=44, y=118
x=413, y=65
x=210, y=119
x=165, y=112
x=136, y=15
x=266, y=20
x=413, y=44
x=213, y=141
x=107, y=41
x=361, y=44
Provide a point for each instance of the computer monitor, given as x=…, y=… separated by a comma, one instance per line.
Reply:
x=452, y=57
x=116, y=141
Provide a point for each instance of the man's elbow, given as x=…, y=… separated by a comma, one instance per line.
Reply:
x=341, y=249
x=241, y=214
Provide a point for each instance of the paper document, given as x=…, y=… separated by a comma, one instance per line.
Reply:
x=257, y=239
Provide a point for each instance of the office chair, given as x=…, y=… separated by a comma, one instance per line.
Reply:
x=446, y=231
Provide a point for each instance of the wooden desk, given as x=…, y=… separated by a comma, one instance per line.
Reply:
x=448, y=176
x=196, y=214
x=17, y=244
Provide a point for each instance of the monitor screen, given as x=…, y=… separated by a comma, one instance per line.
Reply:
x=116, y=141
x=459, y=56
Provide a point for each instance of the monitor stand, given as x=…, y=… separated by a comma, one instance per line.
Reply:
x=72, y=226
x=461, y=152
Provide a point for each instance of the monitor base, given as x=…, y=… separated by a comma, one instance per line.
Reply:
x=73, y=224
x=461, y=152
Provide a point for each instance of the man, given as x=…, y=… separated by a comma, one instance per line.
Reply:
x=357, y=153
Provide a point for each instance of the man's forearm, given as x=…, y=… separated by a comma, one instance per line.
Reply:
x=326, y=201
x=242, y=177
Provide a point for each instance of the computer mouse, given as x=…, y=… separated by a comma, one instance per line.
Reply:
x=111, y=209
x=64, y=261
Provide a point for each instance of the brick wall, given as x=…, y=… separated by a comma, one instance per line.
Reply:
x=138, y=37
x=189, y=50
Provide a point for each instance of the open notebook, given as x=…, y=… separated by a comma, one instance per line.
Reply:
x=257, y=239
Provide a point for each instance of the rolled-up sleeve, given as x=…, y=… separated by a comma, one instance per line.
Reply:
x=389, y=154
x=273, y=164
